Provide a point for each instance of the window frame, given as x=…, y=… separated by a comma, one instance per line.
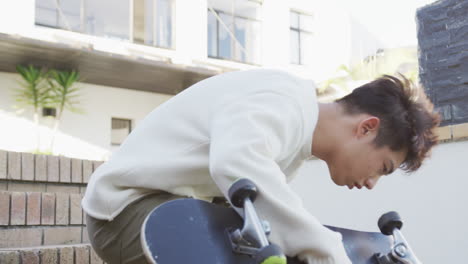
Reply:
x=299, y=31
x=130, y=127
x=83, y=27
x=233, y=43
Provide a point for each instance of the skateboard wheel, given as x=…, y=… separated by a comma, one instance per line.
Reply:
x=271, y=254
x=388, y=222
x=380, y=258
x=241, y=189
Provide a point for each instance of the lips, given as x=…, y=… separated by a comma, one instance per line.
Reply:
x=354, y=185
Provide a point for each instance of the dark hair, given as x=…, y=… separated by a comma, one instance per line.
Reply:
x=407, y=120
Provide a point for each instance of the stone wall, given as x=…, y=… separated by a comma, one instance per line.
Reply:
x=443, y=57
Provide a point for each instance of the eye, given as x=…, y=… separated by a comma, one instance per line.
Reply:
x=384, y=171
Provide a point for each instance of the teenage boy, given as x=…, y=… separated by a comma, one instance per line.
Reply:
x=258, y=124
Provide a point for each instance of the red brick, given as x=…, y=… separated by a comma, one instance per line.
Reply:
x=3, y=164
x=76, y=171
x=49, y=255
x=27, y=166
x=30, y=257
x=9, y=257
x=18, y=208
x=84, y=216
x=52, y=168
x=82, y=255
x=20, y=237
x=14, y=165
x=48, y=209
x=66, y=255
x=53, y=188
x=33, y=210
x=26, y=187
x=62, y=235
x=87, y=170
x=62, y=207
x=41, y=168
x=76, y=217
x=4, y=208
x=65, y=169
x=85, y=235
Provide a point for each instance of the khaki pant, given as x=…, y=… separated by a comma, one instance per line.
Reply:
x=118, y=241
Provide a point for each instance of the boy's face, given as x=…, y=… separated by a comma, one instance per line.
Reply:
x=360, y=163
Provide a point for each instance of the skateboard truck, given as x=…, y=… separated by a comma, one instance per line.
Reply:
x=252, y=239
x=390, y=225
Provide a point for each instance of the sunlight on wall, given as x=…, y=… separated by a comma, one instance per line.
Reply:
x=21, y=135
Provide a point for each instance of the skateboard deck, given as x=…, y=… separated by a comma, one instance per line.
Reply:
x=194, y=231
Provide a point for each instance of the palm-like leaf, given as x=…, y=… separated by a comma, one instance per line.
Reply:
x=65, y=94
x=64, y=89
x=33, y=92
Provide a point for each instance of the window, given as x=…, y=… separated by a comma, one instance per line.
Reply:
x=108, y=18
x=64, y=14
x=234, y=30
x=152, y=22
x=301, y=35
x=121, y=128
x=147, y=22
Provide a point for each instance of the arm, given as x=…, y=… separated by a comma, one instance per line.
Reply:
x=247, y=138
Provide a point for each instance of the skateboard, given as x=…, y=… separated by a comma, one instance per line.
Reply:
x=194, y=231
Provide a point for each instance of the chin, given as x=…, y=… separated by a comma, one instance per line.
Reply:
x=336, y=180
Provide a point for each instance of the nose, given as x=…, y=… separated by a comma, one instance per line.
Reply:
x=371, y=182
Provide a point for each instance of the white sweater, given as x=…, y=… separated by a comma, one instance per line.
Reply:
x=255, y=124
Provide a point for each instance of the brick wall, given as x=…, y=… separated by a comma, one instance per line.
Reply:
x=41, y=220
x=443, y=57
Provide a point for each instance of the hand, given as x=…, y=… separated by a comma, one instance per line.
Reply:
x=337, y=254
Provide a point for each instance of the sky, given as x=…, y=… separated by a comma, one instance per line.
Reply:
x=392, y=21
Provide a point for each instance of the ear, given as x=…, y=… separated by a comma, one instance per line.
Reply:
x=368, y=126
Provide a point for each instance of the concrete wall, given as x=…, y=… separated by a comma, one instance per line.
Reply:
x=85, y=135
x=432, y=203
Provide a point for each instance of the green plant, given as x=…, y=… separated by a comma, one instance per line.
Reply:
x=33, y=92
x=47, y=89
x=64, y=95
x=339, y=80
x=390, y=61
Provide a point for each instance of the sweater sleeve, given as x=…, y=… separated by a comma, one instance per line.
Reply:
x=248, y=137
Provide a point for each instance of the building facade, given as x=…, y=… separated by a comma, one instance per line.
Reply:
x=132, y=55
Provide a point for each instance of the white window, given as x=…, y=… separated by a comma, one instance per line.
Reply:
x=153, y=22
x=301, y=42
x=147, y=22
x=121, y=128
x=234, y=30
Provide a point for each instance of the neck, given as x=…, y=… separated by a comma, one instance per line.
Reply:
x=328, y=132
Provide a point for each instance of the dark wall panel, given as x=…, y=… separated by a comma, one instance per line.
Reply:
x=443, y=57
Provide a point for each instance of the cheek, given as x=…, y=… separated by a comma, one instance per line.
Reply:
x=360, y=166
x=344, y=167
x=370, y=165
